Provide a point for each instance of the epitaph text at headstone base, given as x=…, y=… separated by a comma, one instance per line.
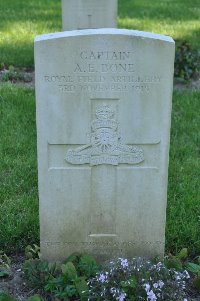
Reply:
x=103, y=122
x=83, y=14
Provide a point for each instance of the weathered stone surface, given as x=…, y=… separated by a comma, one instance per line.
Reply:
x=103, y=122
x=83, y=14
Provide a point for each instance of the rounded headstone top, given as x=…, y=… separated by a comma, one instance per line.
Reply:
x=104, y=31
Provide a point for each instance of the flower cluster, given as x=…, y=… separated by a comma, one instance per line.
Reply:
x=138, y=280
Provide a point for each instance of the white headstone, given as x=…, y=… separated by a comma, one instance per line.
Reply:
x=103, y=124
x=82, y=14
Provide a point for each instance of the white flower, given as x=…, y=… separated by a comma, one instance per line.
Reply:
x=186, y=274
x=147, y=287
x=102, y=278
x=155, y=285
x=124, y=263
x=151, y=296
x=160, y=283
x=121, y=297
x=113, y=291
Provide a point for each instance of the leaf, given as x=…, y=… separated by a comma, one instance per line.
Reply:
x=82, y=288
x=196, y=282
x=193, y=267
x=130, y=283
x=4, y=261
x=88, y=266
x=183, y=254
x=4, y=273
x=6, y=297
x=173, y=263
x=133, y=282
x=35, y=298
x=87, y=259
x=52, y=268
x=70, y=270
x=74, y=258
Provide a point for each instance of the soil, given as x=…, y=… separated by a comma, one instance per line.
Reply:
x=16, y=284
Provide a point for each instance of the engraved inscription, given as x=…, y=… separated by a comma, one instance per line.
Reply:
x=105, y=55
x=105, y=243
x=105, y=146
x=104, y=71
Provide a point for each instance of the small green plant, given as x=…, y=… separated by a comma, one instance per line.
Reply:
x=4, y=260
x=176, y=262
x=4, y=265
x=195, y=269
x=85, y=264
x=187, y=62
x=39, y=272
x=72, y=281
x=138, y=280
x=32, y=252
x=68, y=284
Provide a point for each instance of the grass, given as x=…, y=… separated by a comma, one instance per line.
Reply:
x=183, y=213
x=18, y=168
x=177, y=18
x=18, y=176
x=22, y=20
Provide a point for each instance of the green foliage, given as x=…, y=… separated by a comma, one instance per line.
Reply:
x=187, y=62
x=35, y=298
x=6, y=297
x=63, y=287
x=65, y=282
x=130, y=286
x=39, y=272
x=69, y=270
x=5, y=261
x=176, y=262
x=196, y=282
x=74, y=258
x=87, y=265
x=32, y=252
x=71, y=282
x=81, y=287
x=4, y=265
x=183, y=254
x=173, y=262
x=195, y=269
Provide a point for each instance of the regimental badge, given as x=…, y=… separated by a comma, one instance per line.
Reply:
x=105, y=146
